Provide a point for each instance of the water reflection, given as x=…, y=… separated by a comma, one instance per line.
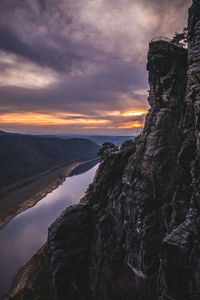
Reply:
x=85, y=167
x=27, y=232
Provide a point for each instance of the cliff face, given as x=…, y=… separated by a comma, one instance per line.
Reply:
x=136, y=236
x=113, y=244
x=136, y=233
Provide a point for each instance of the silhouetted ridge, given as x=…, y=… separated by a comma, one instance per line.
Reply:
x=23, y=156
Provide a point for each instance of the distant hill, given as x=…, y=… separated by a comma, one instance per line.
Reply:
x=24, y=156
x=99, y=139
x=117, y=140
x=3, y=132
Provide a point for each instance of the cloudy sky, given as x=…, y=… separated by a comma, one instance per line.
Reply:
x=79, y=66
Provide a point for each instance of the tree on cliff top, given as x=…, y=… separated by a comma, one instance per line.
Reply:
x=107, y=149
x=180, y=39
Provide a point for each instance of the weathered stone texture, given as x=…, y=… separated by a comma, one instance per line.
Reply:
x=138, y=234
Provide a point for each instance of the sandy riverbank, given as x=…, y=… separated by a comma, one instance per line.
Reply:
x=27, y=196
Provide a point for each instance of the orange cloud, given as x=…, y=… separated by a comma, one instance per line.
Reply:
x=47, y=119
x=130, y=125
x=115, y=120
x=135, y=113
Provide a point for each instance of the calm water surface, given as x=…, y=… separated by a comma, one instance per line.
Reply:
x=27, y=232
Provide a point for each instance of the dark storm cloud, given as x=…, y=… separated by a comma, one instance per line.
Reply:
x=52, y=33
x=11, y=43
x=42, y=4
x=40, y=55
x=99, y=91
x=80, y=56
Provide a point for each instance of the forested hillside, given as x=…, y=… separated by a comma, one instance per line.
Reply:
x=24, y=156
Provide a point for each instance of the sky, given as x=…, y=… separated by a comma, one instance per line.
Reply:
x=79, y=66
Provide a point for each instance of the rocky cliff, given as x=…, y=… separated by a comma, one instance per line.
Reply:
x=136, y=233
x=114, y=246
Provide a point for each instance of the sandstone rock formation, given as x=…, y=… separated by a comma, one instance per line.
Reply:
x=138, y=230
x=138, y=197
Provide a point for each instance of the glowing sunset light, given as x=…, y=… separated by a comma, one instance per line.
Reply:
x=113, y=113
x=113, y=120
x=135, y=113
x=45, y=119
x=137, y=125
x=130, y=125
x=79, y=66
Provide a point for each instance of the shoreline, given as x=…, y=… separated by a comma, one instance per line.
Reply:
x=61, y=174
x=28, y=274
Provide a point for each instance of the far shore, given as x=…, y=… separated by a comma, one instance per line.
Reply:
x=27, y=196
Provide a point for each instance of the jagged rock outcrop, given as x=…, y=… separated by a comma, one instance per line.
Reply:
x=70, y=256
x=141, y=217
x=138, y=208
x=180, y=272
x=132, y=206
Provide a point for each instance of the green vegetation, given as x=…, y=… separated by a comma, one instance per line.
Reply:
x=180, y=38
x=127, y=144
x=89, y=194
x=106, y=150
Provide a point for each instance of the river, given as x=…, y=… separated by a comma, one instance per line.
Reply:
x=24, y=235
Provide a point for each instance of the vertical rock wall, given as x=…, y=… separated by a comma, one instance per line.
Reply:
x=130, y=207
x=137, y=236
x=180, y=273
